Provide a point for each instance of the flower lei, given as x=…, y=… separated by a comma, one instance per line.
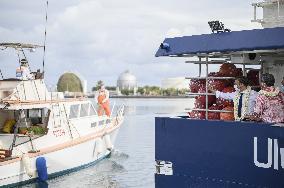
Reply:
x=245, y=102
x=272, y=93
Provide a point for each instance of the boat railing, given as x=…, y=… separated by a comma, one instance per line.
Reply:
x=119, y=114
x=207, y=78
x=204, y=110
x=211, y=77
x=194, y=94
x=218, y=62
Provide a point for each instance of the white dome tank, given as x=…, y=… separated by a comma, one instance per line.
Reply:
x=126, y=80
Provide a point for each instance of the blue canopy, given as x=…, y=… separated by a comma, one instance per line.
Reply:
x=248, y=40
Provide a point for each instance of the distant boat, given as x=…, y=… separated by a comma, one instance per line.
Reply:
x=44, y=135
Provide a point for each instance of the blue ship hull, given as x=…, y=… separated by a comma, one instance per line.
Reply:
x=219, y=154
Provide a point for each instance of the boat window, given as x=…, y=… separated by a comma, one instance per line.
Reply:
x=101, y=122
x=35, y=116
x=94, y=124
x=74, y=111
x=92, y=111
x=84, y=110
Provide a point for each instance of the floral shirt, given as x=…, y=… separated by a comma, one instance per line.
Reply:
x=270, y=105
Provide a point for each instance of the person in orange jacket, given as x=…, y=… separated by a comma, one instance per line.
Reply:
x=103, y=101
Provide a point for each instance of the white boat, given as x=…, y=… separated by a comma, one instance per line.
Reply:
x=65, y=134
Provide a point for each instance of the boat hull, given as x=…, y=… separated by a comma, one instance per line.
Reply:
x=59, y=162
x=219, y=154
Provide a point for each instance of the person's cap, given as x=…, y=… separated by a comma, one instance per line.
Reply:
x=24, y=61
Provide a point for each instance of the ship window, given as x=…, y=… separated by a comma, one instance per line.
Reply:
x=74, y=111
x=92, y=111
x=84, y=110
x=35, y=115
x=101, y=122
x=94, y=124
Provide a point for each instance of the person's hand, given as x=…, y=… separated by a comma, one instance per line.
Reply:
x=249, y=117
x=104, y=100
x=252, y=118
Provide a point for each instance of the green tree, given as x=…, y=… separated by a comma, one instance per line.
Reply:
x=111, y=88
x=170, y=92
x=140, y=90
x=69, y=82
x=98, y=85
x=126, y=92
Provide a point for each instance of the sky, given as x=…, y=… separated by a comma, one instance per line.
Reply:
x=100, y=39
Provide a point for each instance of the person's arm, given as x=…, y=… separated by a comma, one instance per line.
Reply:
x=28, y=74
x=96, y=96
x=107, y=96
x=229, y=96
x=258, y=110
x=259, y=106
x=252, y=101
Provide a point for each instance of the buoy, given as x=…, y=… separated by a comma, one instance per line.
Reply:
x=41, y=169
x=107, y=139
x=99, y=146
x=27, y=165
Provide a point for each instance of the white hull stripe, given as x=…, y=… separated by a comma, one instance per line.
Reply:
x=67, y=144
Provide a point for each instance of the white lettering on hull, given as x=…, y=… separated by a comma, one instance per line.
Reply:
x=270, y=155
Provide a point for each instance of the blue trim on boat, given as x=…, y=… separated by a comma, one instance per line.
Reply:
x=247, y=40
x=57, y=174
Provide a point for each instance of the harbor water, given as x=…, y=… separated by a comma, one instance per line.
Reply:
x=132, y=164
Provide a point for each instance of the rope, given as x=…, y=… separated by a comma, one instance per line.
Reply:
x=43, y=63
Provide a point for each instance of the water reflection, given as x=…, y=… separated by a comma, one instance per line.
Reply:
x=153, y=106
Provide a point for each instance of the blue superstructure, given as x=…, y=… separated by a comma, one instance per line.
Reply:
x=213, y=153
x=219, y=154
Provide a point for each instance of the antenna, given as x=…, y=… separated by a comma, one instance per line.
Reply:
x=44, y=37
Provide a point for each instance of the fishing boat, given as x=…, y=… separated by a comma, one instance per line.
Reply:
x=215, y=153
x=43, y=135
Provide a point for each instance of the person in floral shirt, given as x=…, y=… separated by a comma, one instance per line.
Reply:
x=269, y=105
x=282, y=86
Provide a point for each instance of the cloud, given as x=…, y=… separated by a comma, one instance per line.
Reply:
x=102, y=38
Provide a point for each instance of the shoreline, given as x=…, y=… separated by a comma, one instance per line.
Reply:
x=141, y=97
x=171, y=97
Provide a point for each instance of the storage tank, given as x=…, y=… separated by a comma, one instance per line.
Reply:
x=126, y=80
